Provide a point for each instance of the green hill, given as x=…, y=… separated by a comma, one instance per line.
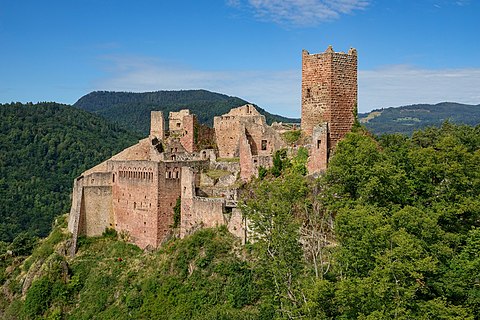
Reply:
x=132, y=110
x=44, y=147
x=408, y=119
x=391, y=231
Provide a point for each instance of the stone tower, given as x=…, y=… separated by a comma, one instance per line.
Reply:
x=157, y=125
x=329, y=92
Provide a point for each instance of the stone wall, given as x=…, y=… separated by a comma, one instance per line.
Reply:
x=96, y=207
x=200, y=212
x=97, y=210
x=175, y=121
x=74, y=219
x=247, y=169
x=237, y=224
x=329, y=92
x=188, y=137
x=136, y=200
x=157, y=125
x=318, y=151
x=227, y=133
x=245, y=121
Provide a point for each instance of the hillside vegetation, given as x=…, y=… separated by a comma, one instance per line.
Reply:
x=132, y=110
x=391, y=231
x=407, y=119
x=44, y=147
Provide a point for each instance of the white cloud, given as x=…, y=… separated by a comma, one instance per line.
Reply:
x=300, y=12
x=279, y=91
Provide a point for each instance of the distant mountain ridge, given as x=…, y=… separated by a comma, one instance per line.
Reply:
x=407, y=119
x=132, y=110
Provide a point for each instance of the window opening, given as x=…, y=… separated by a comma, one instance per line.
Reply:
x=264, y=144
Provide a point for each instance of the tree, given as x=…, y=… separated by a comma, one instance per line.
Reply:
x=272, y=208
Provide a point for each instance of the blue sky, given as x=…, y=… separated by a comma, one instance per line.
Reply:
x=423, y=51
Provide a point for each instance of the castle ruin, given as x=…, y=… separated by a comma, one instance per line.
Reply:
x=135, y=191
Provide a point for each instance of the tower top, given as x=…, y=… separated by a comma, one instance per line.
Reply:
x=329, y=50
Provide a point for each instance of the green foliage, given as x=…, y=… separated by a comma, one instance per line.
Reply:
x=272, y=207
x=299, y=161
x=292, y=136
x=23, y=244
x=44, y=147
x=405, y=209
x=280, y=162
x=391, y=231
x=132, y=110
x=177, y=213
x=38, y=297
x=408, y=119
x=199, y=277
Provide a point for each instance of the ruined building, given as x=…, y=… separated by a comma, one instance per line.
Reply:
x=135, y=192
x=329, y=98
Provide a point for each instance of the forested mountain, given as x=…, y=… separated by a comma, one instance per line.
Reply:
x=132, y=110
x=44, y=147
x=391, y=231
x=407, y=119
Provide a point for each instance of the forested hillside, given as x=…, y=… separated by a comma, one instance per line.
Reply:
x=391, y=231
x=407, y=119
x=132, y=110
x=44, y=147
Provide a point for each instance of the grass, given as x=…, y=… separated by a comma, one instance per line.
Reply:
x=228, y=159
x=217, y=174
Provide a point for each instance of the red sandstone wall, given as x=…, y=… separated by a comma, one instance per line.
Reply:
x=246, y=162
x=344, y=96
x=317, y=162
x=169, y=178
x=188, y=138
x=157, y=125
x=316, y=88
x=227, y=133
x=135, y=200
x=329, y=92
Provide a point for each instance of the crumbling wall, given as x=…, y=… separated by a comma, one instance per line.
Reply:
x=227, y=132
x=329, y=92
x=245, y=120
x=200, y=212
x=247, y=169
x=157, y=125
x=237, y=224
x=318, y=151
x=175, y=121
x=188, y=139
x=187, y=194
